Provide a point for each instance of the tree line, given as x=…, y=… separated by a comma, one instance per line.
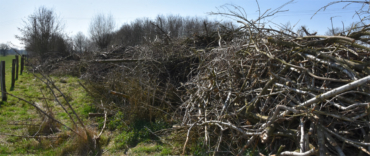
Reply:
x=6, y=49
x=43, y=32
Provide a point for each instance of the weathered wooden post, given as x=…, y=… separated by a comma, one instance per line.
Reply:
x=2, y=81
x=22, y=64
x=26, y=59
x=16, y=66
x=13, y=73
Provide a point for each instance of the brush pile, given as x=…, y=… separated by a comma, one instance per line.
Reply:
x=268, y=89
x=288, y=94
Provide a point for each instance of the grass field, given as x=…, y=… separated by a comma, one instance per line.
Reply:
x=16, y=117
x=19, y=119
x=8, y=69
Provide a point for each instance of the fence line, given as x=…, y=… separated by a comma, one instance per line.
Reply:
x=14, y=76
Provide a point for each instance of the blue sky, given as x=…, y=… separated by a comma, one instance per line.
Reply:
x=76, y=15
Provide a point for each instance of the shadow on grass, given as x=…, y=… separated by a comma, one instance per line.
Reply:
x=11, y=89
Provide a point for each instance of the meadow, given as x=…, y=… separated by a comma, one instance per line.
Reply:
x=21, y=122
x=18, y=118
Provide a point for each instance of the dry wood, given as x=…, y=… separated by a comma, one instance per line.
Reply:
x=275, y=78
x=267, y=88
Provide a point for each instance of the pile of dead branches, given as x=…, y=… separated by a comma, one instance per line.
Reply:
x=287, y=94
x=267, y=90
x=270, y=89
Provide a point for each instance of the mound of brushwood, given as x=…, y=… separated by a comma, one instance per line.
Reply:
x=281, y=93
x=270, y=91
x=141, y=81
x=68, y=65
x=267, y=90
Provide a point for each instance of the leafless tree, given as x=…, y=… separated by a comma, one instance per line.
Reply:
x=4, y=49
x=101, y=29
x=174, y=25
x=144, y=30
x=60, y=45
x=40, y=31
x=80, y=42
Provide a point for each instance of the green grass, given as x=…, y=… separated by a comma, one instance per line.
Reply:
x=152, y=149
x=16, y=115
x=8, y=69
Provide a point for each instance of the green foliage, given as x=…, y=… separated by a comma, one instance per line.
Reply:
x=4, y=150
x=143, y=133
x=20, y=118
x=199, y=148
x=132, y=129
x=86, y=109
x=116, y=123
x=13, y=139
x=124, y=140
x=147, y=149
x=166, y=151
x=135, y=133
x=138, y=126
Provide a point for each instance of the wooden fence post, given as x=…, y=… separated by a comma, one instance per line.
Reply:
x=16, y=66
x=13, y=73
x=2, y=81
x=22, y=63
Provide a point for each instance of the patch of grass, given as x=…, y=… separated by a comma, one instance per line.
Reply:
x=4, y=150
x=166, y=151
x=199, y=148
x=150, y=148
x=135, y=136
x=147, y=149
x=81, y=144
x=115, y=122
x=124, y=140
x=135, y=133
x=20, y=118
x=8, y=69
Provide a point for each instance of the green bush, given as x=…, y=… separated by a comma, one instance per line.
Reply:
x=116, y=122
x=166, y=151
x=135, y=133
x=124, y=140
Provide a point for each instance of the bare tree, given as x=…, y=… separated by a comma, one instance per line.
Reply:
x=59, y=45
x=80, y=42
x=101, y=29
x=144, y=30
x=38, y=31
x=4, y=49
